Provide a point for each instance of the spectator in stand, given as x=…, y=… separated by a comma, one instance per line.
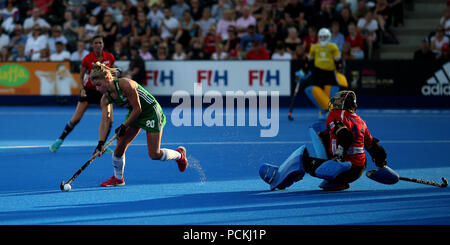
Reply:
x=243, y=22
x=42, y=55
x=118, y=9
x=179, y=8
x=169, y=26
x=445, y=54
x=136, y=68
x=179, y=53
x=187, y=30
x=445, y=21
x=90, y=29
x=336, y=36
x=345, y=18
x=356, y=41
x=311, y=38
x=61, y=54
x=271, y=37
x=4, y=38
x=300, y=53
x=119, y=52
x=109, y=31
x=163, y=52
x=5, y=55
x=234, y=55
x=258, y=52
x=126, y=27
x=196, y=51
x=396, y=7
x=350, y=4
x=20, y=56
x=35, y=19
x=361, y=9
x=205, y=22
x=141, y=29
x=281, y=53
x=219, y=8
x=17, y=37
x=155, y=16
x=36, y=42
x=424, y=53
x=294, y=8
x=278, y=12
x=219, y=53
x=80, y=53
x=196, y=9
x=256, y=10
x=233, y=41
x=368, y=27
x=210, y=41
x=224, y=23
x=9, y=11
x=145, y=50
x=263, y=24
x=101, y=10
x=248, y=39
x=57, y=36
x=438, y=40
x=324, y=16
x=292, y=40
x=347, y=52
x=70, y=29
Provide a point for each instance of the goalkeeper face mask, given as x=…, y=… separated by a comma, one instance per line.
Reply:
x=343, y=100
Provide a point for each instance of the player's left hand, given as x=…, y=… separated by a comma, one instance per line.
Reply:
x=99, y=148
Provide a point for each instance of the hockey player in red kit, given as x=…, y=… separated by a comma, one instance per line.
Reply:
x=343, y=158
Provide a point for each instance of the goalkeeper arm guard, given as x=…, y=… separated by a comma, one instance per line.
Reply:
x=378, y=153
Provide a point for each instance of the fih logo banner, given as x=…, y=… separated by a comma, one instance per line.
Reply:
x=438, y=84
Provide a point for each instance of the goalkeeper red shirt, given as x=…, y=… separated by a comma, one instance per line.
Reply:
x=361, y=134
x=89, y=61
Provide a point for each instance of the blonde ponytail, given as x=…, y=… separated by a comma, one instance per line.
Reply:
x=100, y=71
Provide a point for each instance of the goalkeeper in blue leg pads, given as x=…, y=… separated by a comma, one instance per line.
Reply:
x=339, y=152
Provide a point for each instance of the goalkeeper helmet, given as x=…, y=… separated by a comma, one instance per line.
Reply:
x=324, y=36
x=343, y=100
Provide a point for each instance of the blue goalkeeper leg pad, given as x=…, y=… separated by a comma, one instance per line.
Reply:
x=384, y=175
x=287, y=174
x=319, y=148
x=330, y=169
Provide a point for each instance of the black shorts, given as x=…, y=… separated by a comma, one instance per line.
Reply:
x=350, y=175
x=321, y=78
x=92, y=96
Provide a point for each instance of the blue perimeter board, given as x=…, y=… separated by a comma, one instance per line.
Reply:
x=222, y=185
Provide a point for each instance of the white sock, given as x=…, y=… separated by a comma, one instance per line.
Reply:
x=169, y=154
x=119, y=165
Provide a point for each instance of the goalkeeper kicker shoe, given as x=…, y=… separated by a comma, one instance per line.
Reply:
x=55, y=146
x=182, y=162
x=113, y=182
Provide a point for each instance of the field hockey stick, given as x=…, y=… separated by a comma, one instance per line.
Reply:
x=87, y=163
x=294, y=96
x=426, y=182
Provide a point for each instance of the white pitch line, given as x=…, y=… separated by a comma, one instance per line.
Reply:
x=237, y=143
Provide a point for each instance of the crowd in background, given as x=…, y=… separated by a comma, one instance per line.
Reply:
x=55, y=30
x=436, y=46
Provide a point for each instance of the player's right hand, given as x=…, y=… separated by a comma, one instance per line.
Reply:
x=120, y=131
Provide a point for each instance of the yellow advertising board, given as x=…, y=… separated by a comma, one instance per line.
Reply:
x=38, y=78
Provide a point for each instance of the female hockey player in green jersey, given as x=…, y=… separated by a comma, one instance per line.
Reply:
x=144, y=113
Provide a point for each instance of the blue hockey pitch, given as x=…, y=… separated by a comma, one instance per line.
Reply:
x=222, y=185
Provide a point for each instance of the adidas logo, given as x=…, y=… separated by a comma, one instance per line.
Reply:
x=438, y=84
